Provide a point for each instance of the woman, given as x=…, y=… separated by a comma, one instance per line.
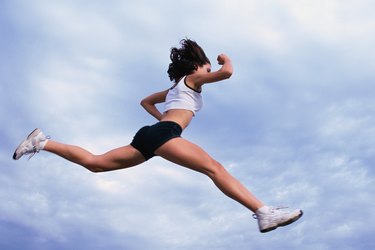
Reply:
x=190, y=69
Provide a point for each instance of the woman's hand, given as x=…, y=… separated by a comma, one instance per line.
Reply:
x=222, y=58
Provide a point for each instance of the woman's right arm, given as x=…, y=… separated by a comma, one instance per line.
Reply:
x=149, y=103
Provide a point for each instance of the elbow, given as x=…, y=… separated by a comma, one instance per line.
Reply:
x=227, y=73
x=146, y=104
x=143, y=103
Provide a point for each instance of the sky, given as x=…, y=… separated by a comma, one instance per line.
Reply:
x=294, y=124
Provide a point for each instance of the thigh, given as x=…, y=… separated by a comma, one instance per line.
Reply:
x=119, y=158
x=186, y=154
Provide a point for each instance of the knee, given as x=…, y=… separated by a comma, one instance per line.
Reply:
x=215, y=169
x=91, y=164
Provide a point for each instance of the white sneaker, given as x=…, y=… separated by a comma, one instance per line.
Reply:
x=31, y=145
x=270, y=218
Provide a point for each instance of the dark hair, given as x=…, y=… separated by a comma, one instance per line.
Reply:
x=186, y=59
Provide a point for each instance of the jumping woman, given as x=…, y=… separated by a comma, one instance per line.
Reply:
x=190, y=69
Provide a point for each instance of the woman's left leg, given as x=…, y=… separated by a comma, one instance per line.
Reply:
x=119, y=158
x=187, y=154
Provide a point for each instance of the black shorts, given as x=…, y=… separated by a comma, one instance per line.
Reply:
x=150, y=138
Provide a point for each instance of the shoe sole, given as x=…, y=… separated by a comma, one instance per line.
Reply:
x=288, y=222
x=16, y=155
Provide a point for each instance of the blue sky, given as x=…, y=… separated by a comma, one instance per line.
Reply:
x=295, y=123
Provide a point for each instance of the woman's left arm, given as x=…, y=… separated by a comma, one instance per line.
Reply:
x=149, y=103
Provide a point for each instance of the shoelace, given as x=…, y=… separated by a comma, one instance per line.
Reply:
x=271, y=210
x=36, y=149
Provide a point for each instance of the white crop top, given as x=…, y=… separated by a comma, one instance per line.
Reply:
x=181, y=96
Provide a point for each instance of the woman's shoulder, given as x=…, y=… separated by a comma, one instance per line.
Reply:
x=191, y=84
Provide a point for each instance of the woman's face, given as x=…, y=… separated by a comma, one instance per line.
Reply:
x=206, y=68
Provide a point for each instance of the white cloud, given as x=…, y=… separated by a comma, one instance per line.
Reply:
x=294, y=123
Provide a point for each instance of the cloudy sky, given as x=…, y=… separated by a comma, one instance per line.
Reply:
x=295, y=123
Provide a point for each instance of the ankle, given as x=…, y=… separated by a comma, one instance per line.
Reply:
x=43, y=144
x=263, y=209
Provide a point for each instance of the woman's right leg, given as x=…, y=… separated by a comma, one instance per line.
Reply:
x=119, y=158
x=187, y=154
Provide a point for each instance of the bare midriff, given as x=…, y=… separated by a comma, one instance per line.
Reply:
x=180, y=116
